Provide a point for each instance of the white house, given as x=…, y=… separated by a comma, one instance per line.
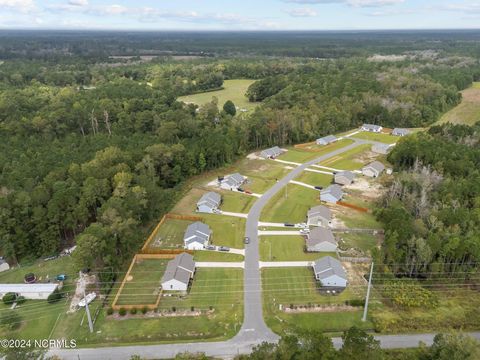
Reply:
x=373, y=169
x=326, y=140
x=197, y=236
x=330, y=273
x=271, y=153
x=319, y=216
x=372, y=128
x=400, y=132
x=178, y=273
x=29, y=291
x=321, y=239
x=209, y=202
x=381, y=148
x=232, y=182
x=331, y=194
x=344, y=177
x=3, y=265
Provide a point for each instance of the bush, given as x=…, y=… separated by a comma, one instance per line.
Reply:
x=144, y=310
x=133, y=311
x=21, y=300
x=355, y=302
x=109, y=311
x=122, y=312
x=409, y=294
x=9, y=298
x=174, y=308
x=54, y=297
x=192, y=308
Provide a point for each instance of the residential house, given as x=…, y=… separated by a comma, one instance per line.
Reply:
x=400, y=132
x=321, y=239
x=330, y=272
x=29, y=291
x=344, y=177
x=326, y=140
x=331, y=194
x=374, y=169
x=372, y=128
x=178, y=273
x=209, y=202
x=319, y=216
x=197, y=236
x=3, y=265
x=232, y=182
x=271, y=153
x=381, y=148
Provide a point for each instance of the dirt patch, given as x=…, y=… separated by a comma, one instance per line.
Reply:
x=82, y=283
x=368, y=188
x=129, y=278
x=254, y=156
x=366, y=157
x=355, y=273
x=288, y=167
x=317, y=309
x=471, y=95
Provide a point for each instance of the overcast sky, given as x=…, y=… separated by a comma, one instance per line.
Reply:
x=239, y=14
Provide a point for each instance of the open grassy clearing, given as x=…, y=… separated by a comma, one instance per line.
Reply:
x=315, y=179
x=226, y=230
x=206, y=255
x=301, y=156
x=353, y=159
x=380, y=137
x=262, y=174
x=468, y=111
x=361, y=241
x=143, y=284
x=286, y=248
x=290, y=204
x=170, y=234
x=233, y=90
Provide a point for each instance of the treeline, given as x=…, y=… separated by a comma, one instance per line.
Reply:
x=431, y=211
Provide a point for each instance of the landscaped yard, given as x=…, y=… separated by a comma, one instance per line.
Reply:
x=301, y=156
x=286, y=248
x=233, y=90
x=353, y=159
x=235, y=202
x=226, y=230
x=207, y=255
x=380, y=137
x=290, y=204
x=315, y=179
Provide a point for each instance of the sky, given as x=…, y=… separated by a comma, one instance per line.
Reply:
x=204, y=15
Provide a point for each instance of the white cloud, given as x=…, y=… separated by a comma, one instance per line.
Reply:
x=302, y=12
x=78, y=2
x=354, y=3
x=17, y=5
x=466, y=7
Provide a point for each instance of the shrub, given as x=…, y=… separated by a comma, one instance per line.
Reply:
x=144, y=310
x=109, y=311
x=122, y=312
x=192, y=308
x=54, y=297
x=355, y=302
x=133, y=311
x=409, y=294
x=21, y=299
x=210, y=307
x=174, y=308
x=9, y=298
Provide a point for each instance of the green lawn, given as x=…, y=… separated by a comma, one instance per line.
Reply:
x=290, y=204
x=358, y=219
x=233, y=90
x=315, y=179
x=262, y=174
x=286, y=248
x=170, y=234
x=301, y=156
x=204, y=255
x=226, y=230
x=380, y=137
x=349, y=160
x=235, y=202
x=468, y=111
x=360, y=241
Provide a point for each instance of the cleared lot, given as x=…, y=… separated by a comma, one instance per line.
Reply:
x=286, y=248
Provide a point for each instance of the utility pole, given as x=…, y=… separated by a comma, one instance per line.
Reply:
x=286, y=191
x=90, y=324
x=365, y=309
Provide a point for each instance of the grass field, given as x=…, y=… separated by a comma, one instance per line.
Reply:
x=205, y=255
x=42, y=270
x=170, y=234
x=361, y=241
x=226, y=230
x=233, y=90
x=262, y=175
x=290, y=204
x=286, y=248
x=349, y=160
x=468, y=111
x=380, y=137
x=315, y=179
x=301, y=156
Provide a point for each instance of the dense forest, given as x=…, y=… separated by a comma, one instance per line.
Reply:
x=92, y=149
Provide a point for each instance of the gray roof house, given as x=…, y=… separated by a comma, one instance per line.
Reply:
x=29, y=291
x=319, y=216
x=331, y=194
x=196, y=236
x=400, y=132
x=209, y=202
x=330, y=272
x=372, y=128
x=178, y=273
x=326, y=140
x=381, y=148
x=271, y=153
x=373, y=169
x=232, y=182
x=344, y=177
x=321, y=239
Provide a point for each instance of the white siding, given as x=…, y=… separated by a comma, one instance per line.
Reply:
x=205, y=209
x=174, y=285
x=334, y=281
x=194, y=246
x=370, y=173
x=328, y=198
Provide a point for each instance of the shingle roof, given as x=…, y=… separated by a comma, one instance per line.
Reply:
x=180, y=268
x=328, y=266
x=272, y=152
x=371, y=126
x=328, y=139
x=400, y=131
x=319, y=235
x=211, y=199
x=320, y=210
x=197, y=232
x=234, y=180
x=376, y=165
x=28, y=288
x=334, y=190
x=347, y=174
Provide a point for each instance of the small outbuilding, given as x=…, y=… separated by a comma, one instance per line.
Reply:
x=331, y=194
x=400, y=132
x=372, y=128
x=232, y=182
x=3, y=265
x=271, y=153
x=178, y=273
x=29, y=291
x=373, y=169
x=197, y=236
x=330, y=272
x=344, y=177
x=382, y=148
x=209, y=202
x=326, y=140
x=319, y=216
x=321, y=239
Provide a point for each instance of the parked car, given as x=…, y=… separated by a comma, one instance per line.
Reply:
x=210, y=247
x=305, y=231
x=301, y=225
x=289, y=225
x=318, y=188
x=61, y=277
x=246, y=240
x=241, y=190
x=223, y=248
